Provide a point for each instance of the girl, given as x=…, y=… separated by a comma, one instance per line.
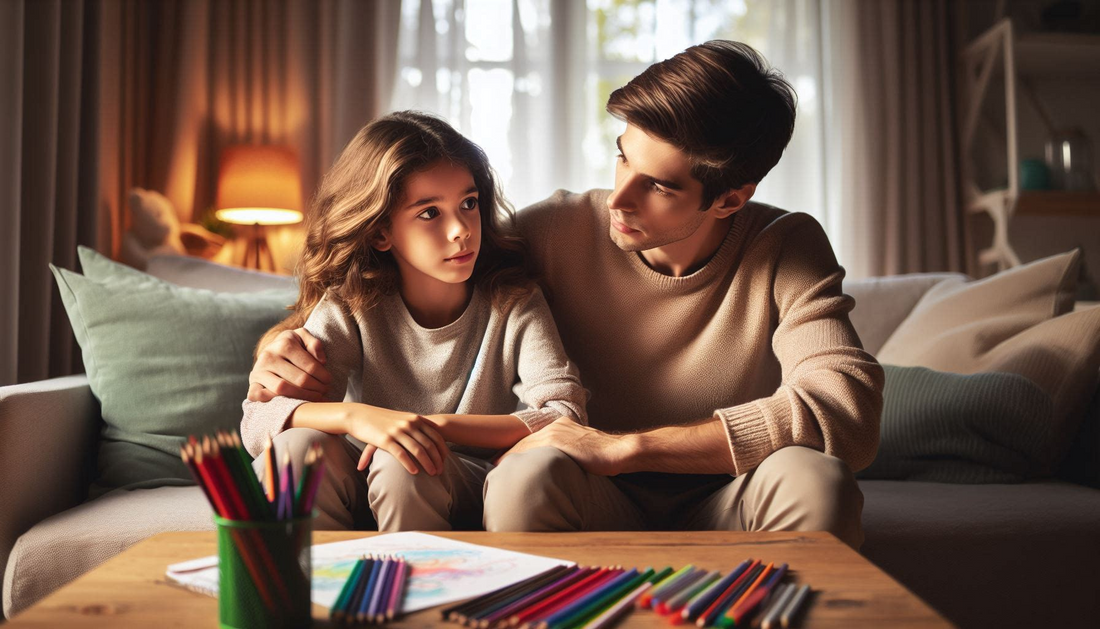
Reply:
x=414, y=283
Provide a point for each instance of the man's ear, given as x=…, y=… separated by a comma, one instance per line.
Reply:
x=729, y=202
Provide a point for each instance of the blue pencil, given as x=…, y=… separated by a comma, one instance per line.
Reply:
x=379, y=590
x=368, y=593
x=702, y=602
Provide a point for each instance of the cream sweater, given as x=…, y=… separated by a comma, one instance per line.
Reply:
x=758, y=337
x=484, y=363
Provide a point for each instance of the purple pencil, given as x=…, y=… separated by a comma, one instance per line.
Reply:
x=399, y=578
x=379, y=588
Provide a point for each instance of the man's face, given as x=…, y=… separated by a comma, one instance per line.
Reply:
x=656, y=201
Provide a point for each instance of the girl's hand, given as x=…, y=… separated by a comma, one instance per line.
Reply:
x=409, y=437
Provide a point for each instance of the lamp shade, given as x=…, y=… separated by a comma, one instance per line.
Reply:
x=259, y=185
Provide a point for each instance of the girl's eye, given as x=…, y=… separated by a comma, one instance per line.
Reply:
x=470, y=203
x=621, y=157
x=428, y=214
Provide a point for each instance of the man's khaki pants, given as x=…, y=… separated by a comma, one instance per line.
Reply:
x=794, y=489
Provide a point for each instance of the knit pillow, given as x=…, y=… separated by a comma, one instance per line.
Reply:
x=952, y=428
x=164, y=362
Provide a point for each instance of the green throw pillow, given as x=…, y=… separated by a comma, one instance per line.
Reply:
x=164, y=362
x=955, y=428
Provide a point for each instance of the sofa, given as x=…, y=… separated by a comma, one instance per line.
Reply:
x=1001, y=554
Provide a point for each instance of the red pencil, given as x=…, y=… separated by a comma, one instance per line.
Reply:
x=566, y=596
x=220, y=502
x=729, y=590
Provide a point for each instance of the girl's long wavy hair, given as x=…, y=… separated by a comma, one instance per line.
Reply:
x=361, y=190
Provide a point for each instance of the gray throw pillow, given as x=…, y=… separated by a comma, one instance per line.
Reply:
x=164, y=362
x=955, y=428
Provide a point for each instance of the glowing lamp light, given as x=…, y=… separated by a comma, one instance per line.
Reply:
x=259, y=185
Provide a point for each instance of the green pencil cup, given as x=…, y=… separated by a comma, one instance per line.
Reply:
x=264, y=573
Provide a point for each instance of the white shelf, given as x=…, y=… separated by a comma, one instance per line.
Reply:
x=1041, y=55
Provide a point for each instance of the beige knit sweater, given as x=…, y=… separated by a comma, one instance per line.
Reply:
x=487, y=362
x=758, y=337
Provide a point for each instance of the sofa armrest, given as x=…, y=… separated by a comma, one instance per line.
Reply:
x=47, y=437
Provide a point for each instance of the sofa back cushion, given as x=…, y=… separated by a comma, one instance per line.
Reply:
x=164, y=362
x=198, y=273
x=882, y=303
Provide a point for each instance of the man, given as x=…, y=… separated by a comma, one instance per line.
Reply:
x=711, y=331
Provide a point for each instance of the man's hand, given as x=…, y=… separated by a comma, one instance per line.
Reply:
x=291, y=365
x=595, y=451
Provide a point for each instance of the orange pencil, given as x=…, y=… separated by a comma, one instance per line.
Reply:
x=748, y=591
x=269, y=471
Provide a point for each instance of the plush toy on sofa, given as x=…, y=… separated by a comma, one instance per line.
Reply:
x=155, y=229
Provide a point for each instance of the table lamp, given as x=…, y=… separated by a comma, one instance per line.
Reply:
x=258, y=186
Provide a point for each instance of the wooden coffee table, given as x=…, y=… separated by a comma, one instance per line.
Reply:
x=131, y=590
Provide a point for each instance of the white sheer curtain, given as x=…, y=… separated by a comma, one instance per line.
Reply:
x=528, y=80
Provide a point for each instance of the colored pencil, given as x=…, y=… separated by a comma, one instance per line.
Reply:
x=490, y=597
x=337, y=611
x=794, y=607
x=660, y=603
x=600, y=604
x=647, y=598
x=611, y=615
x=503, y=606
x=316, y=477
x=562, y=598
x=676, y=603
x=783, y=596
x=706, y=598
x=719, y=605
x=269, y=471
x=368, y=593
x=189, y=460
x=749, y=589
x=751, y=600
x=394, y=606
x=377, y=612
x=351, y=606
x=376, y=590
x=596, y=594
x=562, y=582
x=252, y=562
x=472, y=616
x=304, y=481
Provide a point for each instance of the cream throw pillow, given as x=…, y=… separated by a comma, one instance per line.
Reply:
x=958, y=322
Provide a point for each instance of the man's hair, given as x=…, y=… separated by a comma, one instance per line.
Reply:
x=720, y=104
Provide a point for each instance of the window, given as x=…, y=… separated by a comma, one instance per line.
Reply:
x=528, y=80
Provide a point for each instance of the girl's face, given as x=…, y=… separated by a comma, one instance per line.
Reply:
x=435, y=230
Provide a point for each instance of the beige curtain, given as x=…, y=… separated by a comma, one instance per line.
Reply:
x=104, y=96
x=891, y=79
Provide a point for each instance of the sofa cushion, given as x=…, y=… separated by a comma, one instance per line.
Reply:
x=882, y=303
x=198, y=273
x=971, y=550
x=955, y=323
x=65, y=546
x=164, y=362
x=953, y=428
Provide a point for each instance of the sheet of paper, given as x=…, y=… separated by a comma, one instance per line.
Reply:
x=443, y=570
